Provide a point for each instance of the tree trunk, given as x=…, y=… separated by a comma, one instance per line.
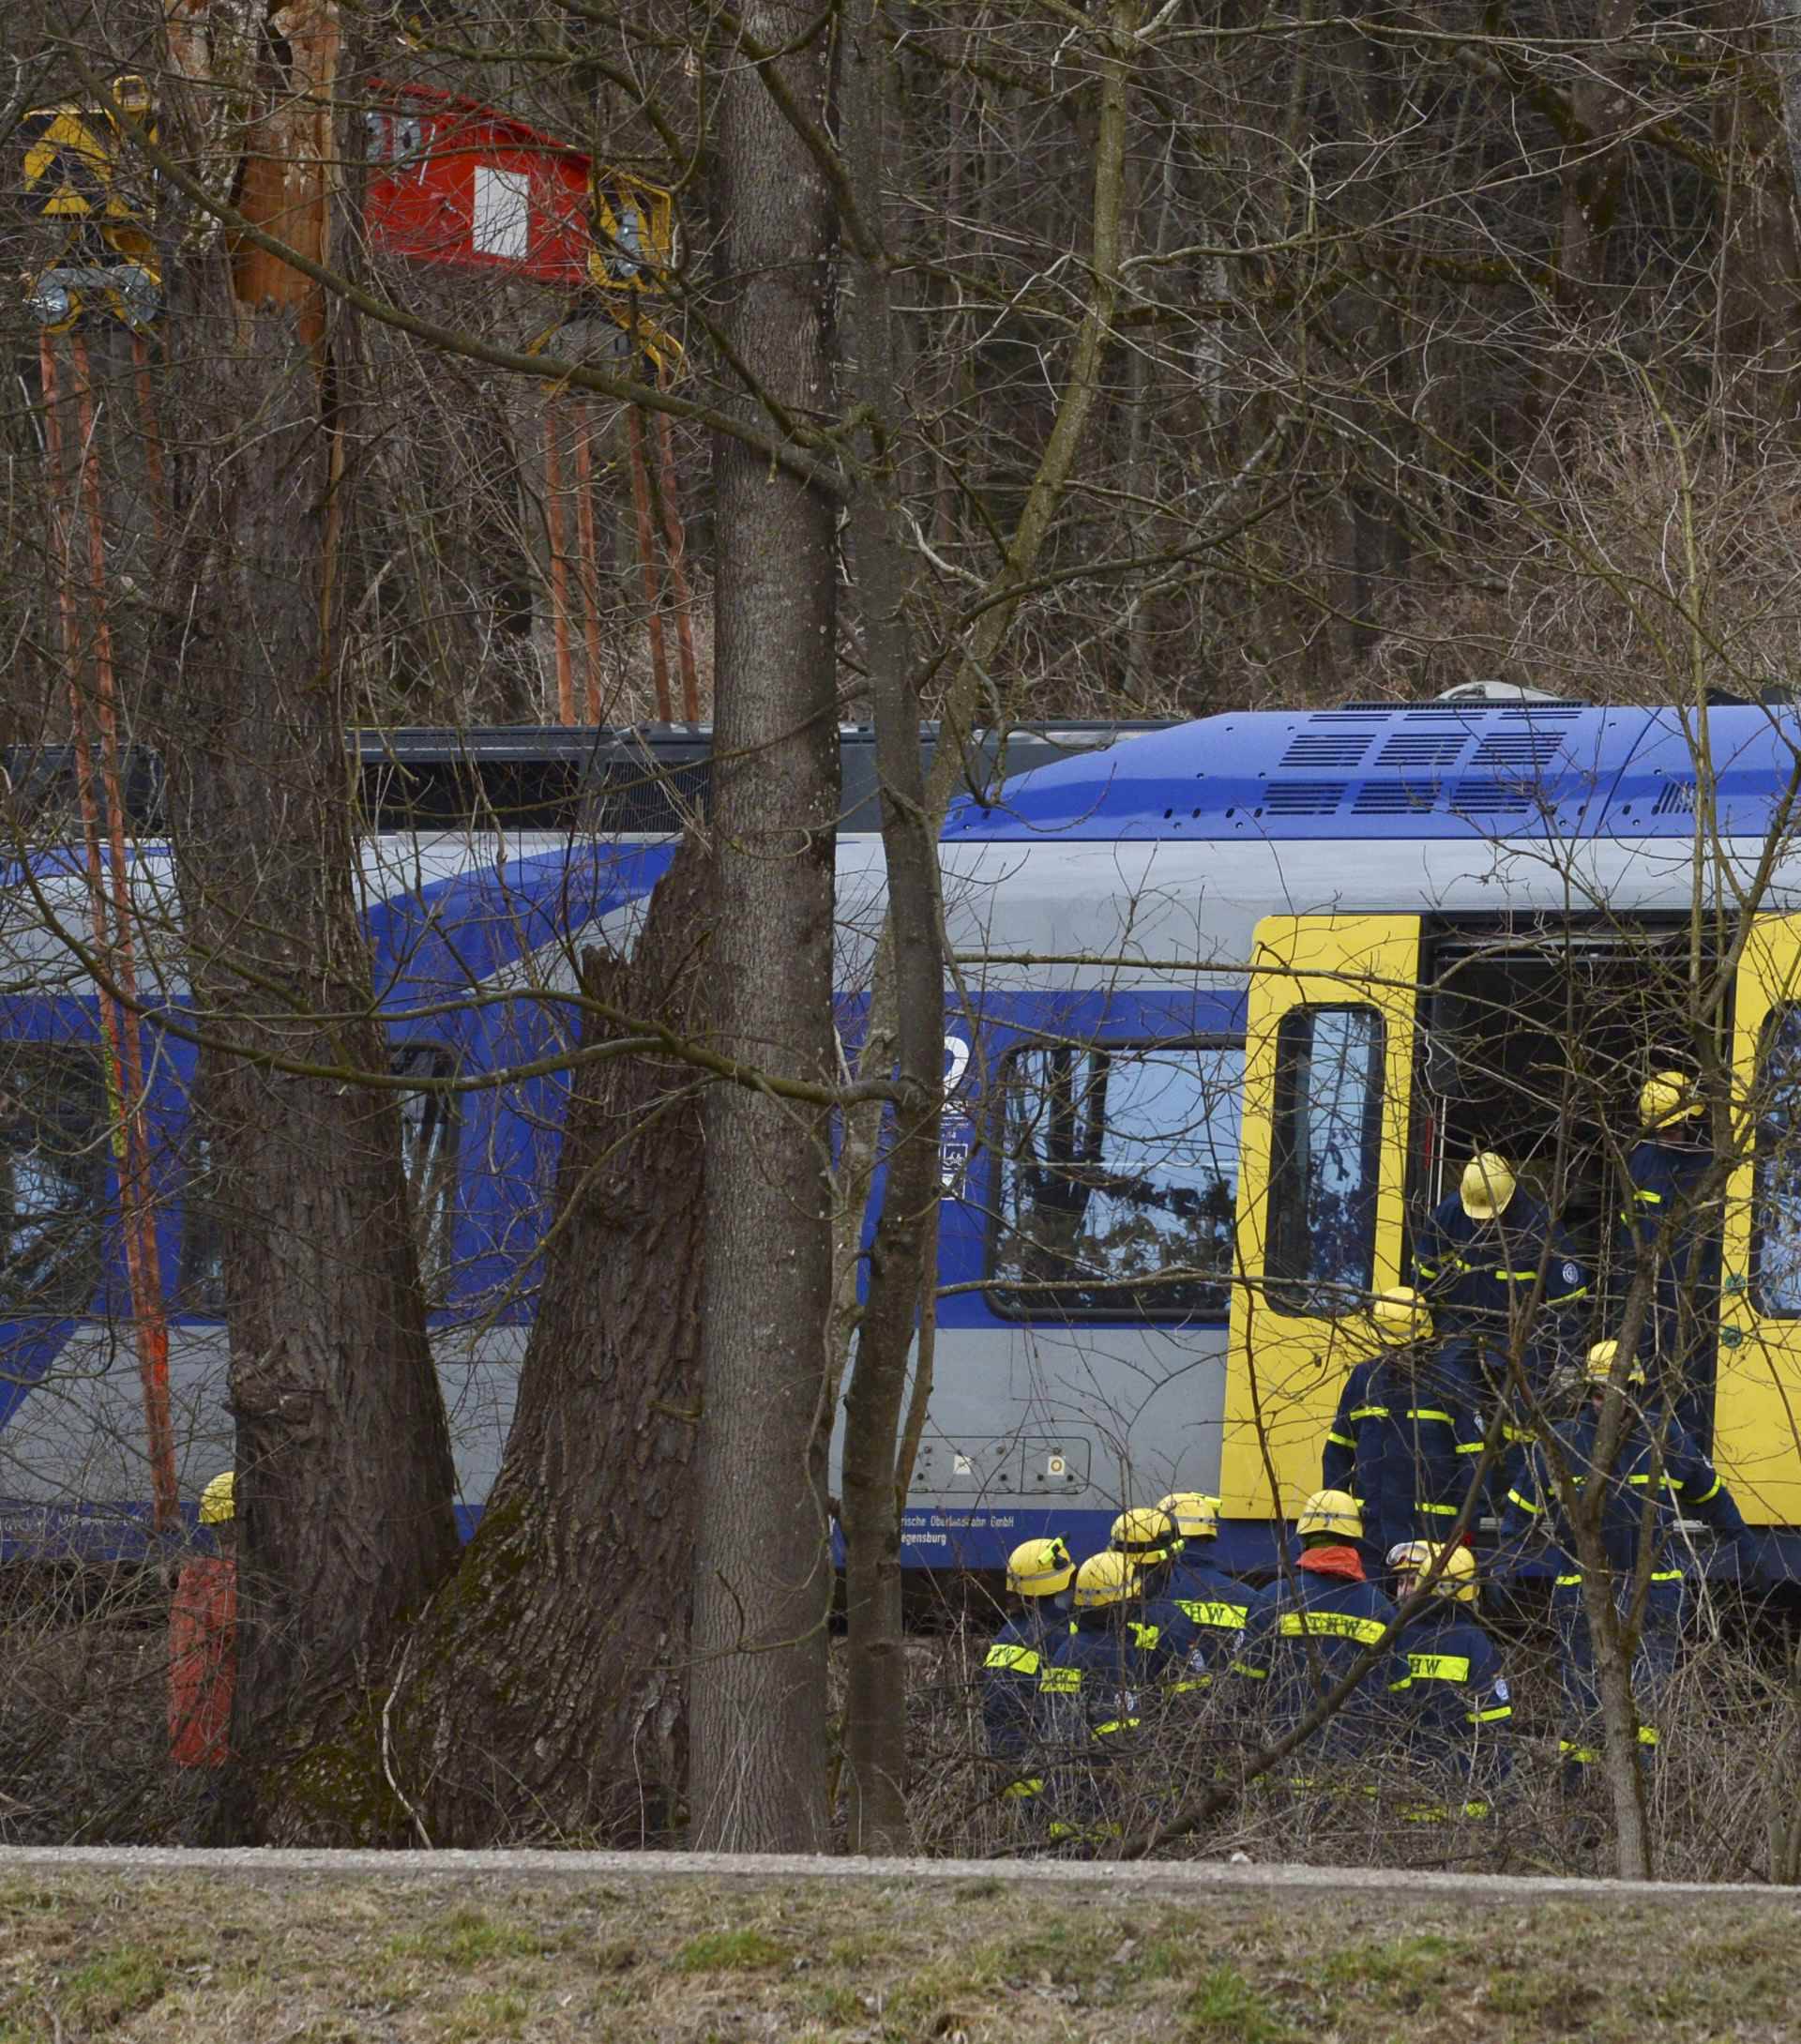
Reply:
x=547, y=1695
x=876, y=1704
x=345, y=1477
x=764, y=1578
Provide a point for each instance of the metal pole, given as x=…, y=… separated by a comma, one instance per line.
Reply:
x=559, y=565
x=648, y=556
x=590, y=566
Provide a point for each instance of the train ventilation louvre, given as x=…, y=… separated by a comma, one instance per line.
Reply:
x=1677, y=798
x=1339, y=749
x=1303, y=797
x=1395, y=797
x=1493, y=797
x=1423, y=749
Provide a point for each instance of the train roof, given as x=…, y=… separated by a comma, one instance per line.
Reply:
x=1429, y=770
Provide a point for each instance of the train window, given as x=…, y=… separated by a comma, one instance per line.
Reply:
x=429, y=1129
x=52, y=1176
x=1118, y=1178
x=1775, y=1234
x=1318, y=1252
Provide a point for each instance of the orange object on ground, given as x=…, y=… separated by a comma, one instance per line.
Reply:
x=202, y=1662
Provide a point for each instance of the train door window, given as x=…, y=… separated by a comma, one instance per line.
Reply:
x=1118, y=1177
x=428, y=1130
x=1776, y=1200
x=54, y=1127
x=1324, y=1162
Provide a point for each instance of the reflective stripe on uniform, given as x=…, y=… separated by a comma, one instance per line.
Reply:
x=1471, y=1447
x=1223, y=1617
x=1666, y=1575
x=1712, y=1491
x=1021, y=1659
x=1018, y=1790
x=1145, y=1637
x=1581, y=1755
x=1338, y=1625
x=1648, y=1735
x=1524, y=1504
x=1427, y=1412
x=1440, y=1667
x=1490, y=1717
x=1244, y=1668
x=1341, y=1440
x=1518, y=1436
x=1060, y=1681
x=1115, y=1724
x=1371, y=1412
x=1565, y=1583
x=1448, y=1511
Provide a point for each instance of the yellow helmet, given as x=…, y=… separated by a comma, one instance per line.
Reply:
x=1039, y=1567
x=1598, y=1369
x=1147, y=1537
x=1331, y=1512
x=1107, y=1578
x=1399, y=1315
x=217, y=1500
x=1196, y=1514
x=1488, y=1186
x=1668, y=1098
x=1457, y=1579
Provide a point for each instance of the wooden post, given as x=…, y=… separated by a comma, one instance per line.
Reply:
x=589, y=566
x=673, y=540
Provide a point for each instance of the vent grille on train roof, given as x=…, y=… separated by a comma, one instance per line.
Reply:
x=1316, y=749
x=1303, y=797
x=1527, y=749
x=1677, y=798
x=1422, y=749
x=1395, y=797
x=1494, y=797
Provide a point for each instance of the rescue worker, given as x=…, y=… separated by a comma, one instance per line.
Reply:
x=1148, y=1538
x=1462, y=1711
x=1485, y=1257
x=1216, y=1605
x=1654, y=1457
x=203, y=1637
x=1406, y=1439
x=1039, y=1575
x=1325, y=1616
x=1100, y=1693
x=1664, y=1220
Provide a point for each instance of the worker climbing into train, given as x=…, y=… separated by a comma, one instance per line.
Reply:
x=1462, y=1710
x=1499, y=1271
x=1407, y=1440
x=1038, y=1576
x=1105, y=1696
x=1217, y=1605
x=203, y=1637
x=1325, y=1616
x=1653, y=1477
x=1672, y=1220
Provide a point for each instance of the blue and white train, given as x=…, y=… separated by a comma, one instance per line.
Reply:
x=1232, y=1002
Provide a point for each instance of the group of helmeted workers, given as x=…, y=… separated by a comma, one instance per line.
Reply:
x=1370, y=1634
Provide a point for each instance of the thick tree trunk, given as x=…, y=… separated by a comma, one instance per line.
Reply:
x=546, y=1692
x=344, y=1458
x=763, y=1580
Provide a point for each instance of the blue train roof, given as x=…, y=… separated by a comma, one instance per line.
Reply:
x=1430, y=770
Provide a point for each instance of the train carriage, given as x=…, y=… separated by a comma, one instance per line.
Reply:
x=1232, y=1003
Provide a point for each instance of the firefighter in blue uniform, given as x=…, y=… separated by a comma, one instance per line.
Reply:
x=1665, y=1219
x=1219, y=1606
x=1654, y=1458
x=1038, y=1574
x=1103, y=1693
x=1462, y=1710
x=1327, y=1614
x=1406, y=1439
x=1486, y=1257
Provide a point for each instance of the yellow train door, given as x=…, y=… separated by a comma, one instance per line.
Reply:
x=1757, y=1404
x=1323, y=1168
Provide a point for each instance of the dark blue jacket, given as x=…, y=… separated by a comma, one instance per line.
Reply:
x=1480, y=1276
x=1216, y=1605
x=1111, y=1668
x=1405, y=1443
x=1665, y=1180
x=1687, y=1486
x=1462, y=1709
x=1016, y=1660
x=1303, y=1645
